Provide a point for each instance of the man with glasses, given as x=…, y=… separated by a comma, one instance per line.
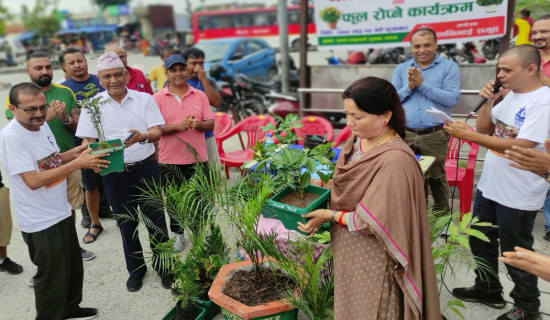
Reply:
x=37, y=171
x=61, y=116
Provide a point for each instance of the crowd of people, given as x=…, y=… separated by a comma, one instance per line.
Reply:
x=384, y=267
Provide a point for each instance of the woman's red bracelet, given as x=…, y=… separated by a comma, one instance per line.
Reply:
x=341, y=218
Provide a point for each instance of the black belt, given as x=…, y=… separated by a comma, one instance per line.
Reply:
x=129, y=167
x=426, y=130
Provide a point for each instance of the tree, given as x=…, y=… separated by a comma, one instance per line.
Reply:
x=105, y=3
x=4, y=16
x=41, y=18
x=538, y=8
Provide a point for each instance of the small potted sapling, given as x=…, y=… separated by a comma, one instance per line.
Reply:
x=93, y=105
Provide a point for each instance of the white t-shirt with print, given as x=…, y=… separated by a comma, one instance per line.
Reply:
x=518, y=116
x=22, y=150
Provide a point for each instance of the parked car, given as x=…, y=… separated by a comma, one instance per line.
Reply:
x=250, y=56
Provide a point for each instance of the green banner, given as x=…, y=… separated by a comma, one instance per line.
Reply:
x=362, y=39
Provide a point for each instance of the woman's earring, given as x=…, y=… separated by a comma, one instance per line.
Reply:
x=384, y=122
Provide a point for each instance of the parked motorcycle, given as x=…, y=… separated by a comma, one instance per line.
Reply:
x=450, y=51
x=387, y=56
x=491, y=48
x=237, y=97
x=473, y=55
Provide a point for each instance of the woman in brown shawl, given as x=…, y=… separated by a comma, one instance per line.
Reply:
x=380, y=236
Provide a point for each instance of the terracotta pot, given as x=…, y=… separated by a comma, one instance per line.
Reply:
x=332, y=25
x=234, y=306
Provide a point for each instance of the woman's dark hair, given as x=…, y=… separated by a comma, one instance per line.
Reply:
x=378, y=96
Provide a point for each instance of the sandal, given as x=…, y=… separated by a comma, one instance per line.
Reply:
x=91, y=235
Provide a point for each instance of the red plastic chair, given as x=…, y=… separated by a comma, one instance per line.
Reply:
x=464, y=180
x=315, y=125
x=223, y=123
x=341, y=137
x=252, y=127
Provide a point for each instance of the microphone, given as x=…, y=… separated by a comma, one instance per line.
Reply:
x=496, y=88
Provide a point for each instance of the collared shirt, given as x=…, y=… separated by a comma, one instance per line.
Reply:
x=173, y=148
x=138, y=110
x=545, y=67
x=440, y=89
x=157, y=74
x=138, y=81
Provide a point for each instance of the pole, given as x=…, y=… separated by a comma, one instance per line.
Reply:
x=283, y=39
x=304, y=68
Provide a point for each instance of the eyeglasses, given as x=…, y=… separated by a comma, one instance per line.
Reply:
x=33, y=110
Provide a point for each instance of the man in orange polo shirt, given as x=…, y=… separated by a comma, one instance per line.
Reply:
x=187, y=114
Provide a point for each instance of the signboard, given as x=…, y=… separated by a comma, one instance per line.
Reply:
x=116, y=10
x=349, y=24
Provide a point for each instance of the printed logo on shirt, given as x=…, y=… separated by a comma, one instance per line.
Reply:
x=505, y=131
x=51, y=162
x=519, y=117
x=140, y=86
x=51, y=141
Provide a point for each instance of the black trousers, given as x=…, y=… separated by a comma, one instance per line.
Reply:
x=179, y=173
x=58, y=280
x=123, y=190
x=514, y=228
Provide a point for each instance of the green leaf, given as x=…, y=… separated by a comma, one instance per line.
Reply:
x=476, y=233
x=465, y=221
x=463, y=241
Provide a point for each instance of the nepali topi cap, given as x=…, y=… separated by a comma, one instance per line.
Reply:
x=109, y=60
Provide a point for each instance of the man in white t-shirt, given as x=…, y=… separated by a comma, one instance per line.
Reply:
x=125, y=111
x=508, y=197
x=37, y=173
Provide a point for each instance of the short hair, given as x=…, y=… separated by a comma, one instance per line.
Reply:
x=527, y=53
x=193, y=53
x=113, y=48
x=26, y=88
x=37, y=54
x=70, y=50
x=422, y=31
x=378, y=96
x=544, y=17
x=525, y=12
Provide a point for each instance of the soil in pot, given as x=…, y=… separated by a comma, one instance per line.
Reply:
x=294, y=199
x=189, y=313
x=244, y=287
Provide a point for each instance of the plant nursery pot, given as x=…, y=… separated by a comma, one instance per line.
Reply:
x=331, y=25
x=290, y=215
x=233, y=309
x=210, y=308
x=116, y=155
x=172, y=314
x=311, y=141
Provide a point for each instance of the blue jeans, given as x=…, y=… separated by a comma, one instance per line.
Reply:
x=515, y=228
x=547, y=212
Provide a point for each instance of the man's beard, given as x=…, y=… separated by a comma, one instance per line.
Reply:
x=43, y=81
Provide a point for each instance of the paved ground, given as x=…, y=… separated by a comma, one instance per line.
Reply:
x=105, y=276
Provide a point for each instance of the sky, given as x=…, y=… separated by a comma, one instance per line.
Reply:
x=82, y=6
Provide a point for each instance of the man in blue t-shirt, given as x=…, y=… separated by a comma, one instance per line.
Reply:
x=81, y=82
x=199, y=80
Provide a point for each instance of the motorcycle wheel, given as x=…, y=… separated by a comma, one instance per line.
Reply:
x=460, y=58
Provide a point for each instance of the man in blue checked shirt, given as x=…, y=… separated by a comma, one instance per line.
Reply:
x=428, y=80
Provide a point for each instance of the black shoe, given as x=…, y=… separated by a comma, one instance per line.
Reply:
x=10, y=266
x=517, y=314
x=85, y=222
x=83, y=314
x=133, y=284
x=166, y=281
x=547, y=236
x=476, y=294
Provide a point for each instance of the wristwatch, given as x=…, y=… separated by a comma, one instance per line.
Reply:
x=146, y=139
x=333, y=216
x=546, y=176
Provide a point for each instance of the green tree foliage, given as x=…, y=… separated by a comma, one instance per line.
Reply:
x=538, y=8
x=105, y=3
x=41, y=18
x=4, y=16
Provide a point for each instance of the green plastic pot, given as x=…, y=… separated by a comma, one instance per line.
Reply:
x=172, y=314
x=209, y=306
x=291, y=215
x=116, y=155
x=285, y=315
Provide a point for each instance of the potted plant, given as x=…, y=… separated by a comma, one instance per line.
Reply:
x=250, y=289
x=490, y=5
x=330, y=15
x=93, y=105
x=292, y=169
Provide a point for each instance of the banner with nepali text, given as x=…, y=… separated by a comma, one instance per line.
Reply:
x=352, y=24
